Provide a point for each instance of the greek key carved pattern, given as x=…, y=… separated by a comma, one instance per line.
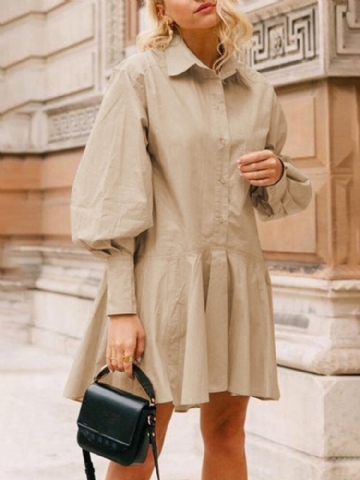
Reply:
x=73, y=124
x=115, y=31
x=347, y=18
x=284, y=40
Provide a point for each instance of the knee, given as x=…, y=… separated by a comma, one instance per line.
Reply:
x=224, y=435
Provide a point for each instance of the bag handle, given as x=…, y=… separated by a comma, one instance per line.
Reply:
x=141, y=377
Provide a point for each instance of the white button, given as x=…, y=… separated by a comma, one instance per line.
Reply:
x=223, y=141
x=222, y=181
x=220, y=219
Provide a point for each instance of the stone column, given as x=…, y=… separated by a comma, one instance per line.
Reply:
x=311, y=52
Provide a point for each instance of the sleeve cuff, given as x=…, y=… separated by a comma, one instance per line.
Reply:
x=276, y=192
x=121, y=297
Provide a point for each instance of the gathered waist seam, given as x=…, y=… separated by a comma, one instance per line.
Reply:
x=231, y=248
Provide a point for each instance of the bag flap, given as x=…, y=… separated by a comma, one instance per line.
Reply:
x=113, y=415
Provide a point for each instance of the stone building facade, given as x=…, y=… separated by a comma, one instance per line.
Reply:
x=55, y=60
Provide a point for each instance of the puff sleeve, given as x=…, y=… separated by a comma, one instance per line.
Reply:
x=112, y=192
x=293, y=192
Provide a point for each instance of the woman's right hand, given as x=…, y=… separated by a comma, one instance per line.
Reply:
x=126, y=341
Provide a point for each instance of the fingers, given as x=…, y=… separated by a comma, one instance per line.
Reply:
x=120, y=356
x=121, y=362
x=127, y=362
x=262, y=168
x=140, y=347
x=255, y=157
x=126, y=341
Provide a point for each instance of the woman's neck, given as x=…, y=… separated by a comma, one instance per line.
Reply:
x=203, y=44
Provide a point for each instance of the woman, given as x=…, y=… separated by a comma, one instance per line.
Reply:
x=187, y=142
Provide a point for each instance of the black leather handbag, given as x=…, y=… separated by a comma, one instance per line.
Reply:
x=117, y=425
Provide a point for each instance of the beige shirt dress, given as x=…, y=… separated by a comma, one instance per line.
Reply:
x=158, y=195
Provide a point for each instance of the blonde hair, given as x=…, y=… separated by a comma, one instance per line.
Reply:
x=234, y=30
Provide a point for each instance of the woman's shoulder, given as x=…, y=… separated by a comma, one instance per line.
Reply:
x=139, y=64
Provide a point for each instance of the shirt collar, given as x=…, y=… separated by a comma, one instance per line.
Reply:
x=179, y=59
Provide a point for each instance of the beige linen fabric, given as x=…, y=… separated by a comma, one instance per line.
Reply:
x=159, y=196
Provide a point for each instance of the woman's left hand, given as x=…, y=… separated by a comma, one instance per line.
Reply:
x=261, y=169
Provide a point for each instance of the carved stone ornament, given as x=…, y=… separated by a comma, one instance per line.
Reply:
x=114, y=31
x=347, y=20
x=284, y=40
x=71, y=124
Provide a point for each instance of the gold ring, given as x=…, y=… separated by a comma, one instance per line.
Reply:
x=127, y=358
x=114, y=358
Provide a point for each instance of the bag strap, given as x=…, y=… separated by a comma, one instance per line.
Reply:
x=146, y=384
x=152, y=440
x=141, y=377
x=89, y=467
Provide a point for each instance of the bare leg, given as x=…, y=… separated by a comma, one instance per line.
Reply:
x=144, y=471
x=222, y=428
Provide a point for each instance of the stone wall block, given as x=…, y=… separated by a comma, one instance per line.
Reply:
x=318, y=355
x=317, y=324
x=344, y=124
x=20, y=198
x=16, y=131
x=281, y=462
x=71, y=26
x=59, y=169
x=341, y=238
x=300, y=115
x=322, y=193
x=70, y=74
x=305, y=107
x=50, y=314
x=330, y=226
x=57, y=269
x=20, y=213
x=345, y=182
x=38, y=130
x=15, y=311
x=22, y=84
x=11, y=10
x=55, y=213
x=20, y=174
x=282, y=235
x=22, y=40
x=316, y=415
x=48, y=5
x=316, y=296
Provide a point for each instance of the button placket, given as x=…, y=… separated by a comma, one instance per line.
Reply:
x=223, y=139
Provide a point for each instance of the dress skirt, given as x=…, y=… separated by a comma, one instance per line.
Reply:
x=208, y=324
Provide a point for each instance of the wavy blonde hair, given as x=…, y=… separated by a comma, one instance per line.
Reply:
x=234, y=30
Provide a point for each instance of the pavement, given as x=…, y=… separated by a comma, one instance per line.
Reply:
x=38, y=425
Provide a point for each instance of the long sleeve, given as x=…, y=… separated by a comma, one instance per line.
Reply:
x=293, y=192
x=112, y=196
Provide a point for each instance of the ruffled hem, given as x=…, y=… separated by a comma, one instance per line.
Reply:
x=209, y=328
